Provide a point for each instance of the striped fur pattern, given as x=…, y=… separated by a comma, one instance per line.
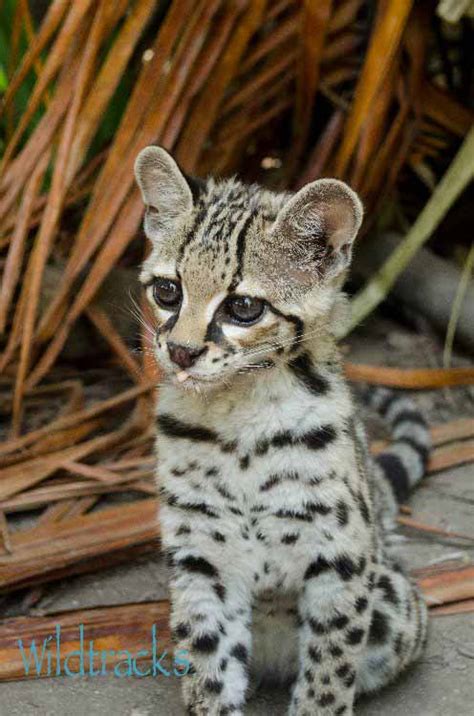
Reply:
x=273, y=515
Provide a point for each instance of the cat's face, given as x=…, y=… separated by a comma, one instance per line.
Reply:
x=237, y=275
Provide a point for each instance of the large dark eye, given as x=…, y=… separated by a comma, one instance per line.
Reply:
x=167, y=293
x=244, y=309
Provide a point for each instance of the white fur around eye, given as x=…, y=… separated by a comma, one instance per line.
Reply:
x=232, y=330
x=162, y=270
x=162, y=313
x=213, y=305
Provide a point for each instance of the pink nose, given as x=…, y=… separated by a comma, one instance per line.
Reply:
x=184, y=356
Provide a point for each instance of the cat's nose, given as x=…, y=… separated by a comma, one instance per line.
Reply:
x=184, y=356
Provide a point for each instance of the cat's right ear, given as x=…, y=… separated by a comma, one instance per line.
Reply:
x=166, y=193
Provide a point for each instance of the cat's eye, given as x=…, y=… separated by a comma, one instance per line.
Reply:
x=167, y=293
x=244, y=309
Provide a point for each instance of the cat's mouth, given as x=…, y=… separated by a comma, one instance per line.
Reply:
x=187, y=381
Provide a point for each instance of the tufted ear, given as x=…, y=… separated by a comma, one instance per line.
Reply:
x=166, y=193
x=315, y=230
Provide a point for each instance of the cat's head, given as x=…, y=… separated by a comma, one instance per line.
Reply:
x=238, y=276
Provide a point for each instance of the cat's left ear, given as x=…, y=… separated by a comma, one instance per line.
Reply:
x=316, y=229
x=167, y=192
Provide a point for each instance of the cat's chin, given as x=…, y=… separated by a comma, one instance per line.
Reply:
x=199, y=384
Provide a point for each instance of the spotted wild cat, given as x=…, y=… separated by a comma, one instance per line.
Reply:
x=275, y=519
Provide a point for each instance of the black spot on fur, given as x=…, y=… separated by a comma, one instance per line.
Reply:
x=398, y=644
x=212, y=472
x=317, y=627
x=218, y=536
x=224, y=492
x=182, y=630
x=304, y=371
x=219, y=589
x=371, y=581
x=271, y=482
x=214, y=686
x=342, y=513
x=361, y=604
x=335, y=651
x=206, y=643
x=290, y=538
x=354, y=636
x=389, y=593
x=309, y=676
x=201, y=507
x=261, y=447
x=343, y=670
x=340, y=622
x=239, y=652
x=379, y=628
x=314, y=654
x=319, y=566
x=326, y=699
x=350, y=680
x=319, y=438
x=177, y=429
x=345, y=567
x=363, y=508
x=229, y=447
x=198, y=565
x=244, y=462
x=183, y=530
x=341, y=710
x=316, y=439
x=318, y=508
x=294, y=515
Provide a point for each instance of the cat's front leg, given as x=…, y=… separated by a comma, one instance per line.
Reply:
x=333, y=632
x=210, y=620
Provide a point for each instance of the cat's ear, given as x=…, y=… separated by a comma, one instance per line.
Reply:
x=166, y=193
x=316, y=228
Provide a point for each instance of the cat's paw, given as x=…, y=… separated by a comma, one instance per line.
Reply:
x=200, y=703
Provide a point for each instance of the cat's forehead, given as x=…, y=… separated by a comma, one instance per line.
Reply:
x=227, y=216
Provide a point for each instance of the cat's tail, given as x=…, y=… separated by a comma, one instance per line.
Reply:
x=404, y=461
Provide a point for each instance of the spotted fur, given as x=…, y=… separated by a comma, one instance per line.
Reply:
x=274, y=517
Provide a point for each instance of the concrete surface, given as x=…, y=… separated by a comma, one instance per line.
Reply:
x=442, y=683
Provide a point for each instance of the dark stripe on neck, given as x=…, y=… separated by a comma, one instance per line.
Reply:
x=303, y=369
x=172, y=427
x=316, y=439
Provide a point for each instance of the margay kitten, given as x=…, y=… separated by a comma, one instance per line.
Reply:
x=274, y=517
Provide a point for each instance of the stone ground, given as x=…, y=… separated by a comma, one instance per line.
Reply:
x=441, y=684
